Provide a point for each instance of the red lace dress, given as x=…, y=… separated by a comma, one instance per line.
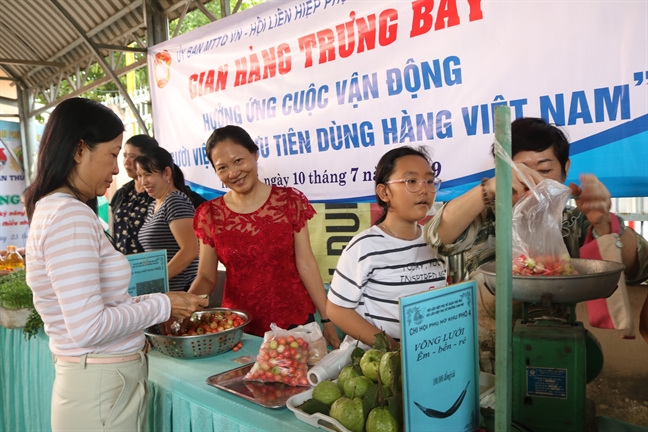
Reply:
x=258, y=251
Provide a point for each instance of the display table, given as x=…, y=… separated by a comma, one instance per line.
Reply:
x=180, y=399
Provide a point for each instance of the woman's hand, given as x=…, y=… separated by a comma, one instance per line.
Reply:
x=184, y=304
x=593, y=199
x=331, y=336
x=518, y=185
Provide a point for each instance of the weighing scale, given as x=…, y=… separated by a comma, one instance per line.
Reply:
x=554, y=357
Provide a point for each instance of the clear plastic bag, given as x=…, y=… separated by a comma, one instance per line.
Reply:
x=317, y=347
x=538, y=246
x=283, y=358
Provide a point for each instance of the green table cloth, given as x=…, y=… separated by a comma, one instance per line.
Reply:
x=180, y=398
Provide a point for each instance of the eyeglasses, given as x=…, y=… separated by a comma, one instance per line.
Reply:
x=414, y=185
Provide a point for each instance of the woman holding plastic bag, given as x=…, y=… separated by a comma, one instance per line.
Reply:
x=466, y=225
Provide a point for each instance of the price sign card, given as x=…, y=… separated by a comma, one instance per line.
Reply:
x=440, y=359
x=148, y=273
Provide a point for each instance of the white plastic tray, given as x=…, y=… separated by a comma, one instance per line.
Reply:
x=318, y=420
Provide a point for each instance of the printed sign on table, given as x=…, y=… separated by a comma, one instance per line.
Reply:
x=440, y=359
x=149, y=273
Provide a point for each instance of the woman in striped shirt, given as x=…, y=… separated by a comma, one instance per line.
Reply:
x=169, y=218
x=80, y=281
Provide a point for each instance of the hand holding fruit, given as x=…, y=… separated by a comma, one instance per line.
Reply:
x=593, y=199
x=519, y=187
x=184, y=304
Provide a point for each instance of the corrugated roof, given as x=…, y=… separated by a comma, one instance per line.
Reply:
x=38, y=31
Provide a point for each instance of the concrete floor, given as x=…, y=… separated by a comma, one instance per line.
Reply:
x=621, y=389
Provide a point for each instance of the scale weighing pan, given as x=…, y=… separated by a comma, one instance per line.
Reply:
x=595, y=279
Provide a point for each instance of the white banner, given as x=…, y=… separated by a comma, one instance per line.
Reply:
x=327, y=87
x=13, y=222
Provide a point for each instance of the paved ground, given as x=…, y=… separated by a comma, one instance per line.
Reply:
x=621, y=390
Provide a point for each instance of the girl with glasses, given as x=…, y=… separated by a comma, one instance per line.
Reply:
x=391, y=259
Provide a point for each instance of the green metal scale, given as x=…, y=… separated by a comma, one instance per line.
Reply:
x=554, y=356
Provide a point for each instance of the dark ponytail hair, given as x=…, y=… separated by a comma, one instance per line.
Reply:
x=72, y=121
x=144, y=143
x=387, y=165
x=156, y=160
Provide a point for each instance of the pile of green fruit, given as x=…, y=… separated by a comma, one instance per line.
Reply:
x=368, y=393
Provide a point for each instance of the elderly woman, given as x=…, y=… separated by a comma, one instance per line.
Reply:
x=80, y=282
x=168, y=223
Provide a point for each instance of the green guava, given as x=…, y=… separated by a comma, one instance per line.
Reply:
x=327, y=392
x=346, y=373
x=357, y=386
x=370, y=363
x=389, y=368
x=381, y=420
x=349, y=413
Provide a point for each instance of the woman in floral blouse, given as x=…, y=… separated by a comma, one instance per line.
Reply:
x=130, y=203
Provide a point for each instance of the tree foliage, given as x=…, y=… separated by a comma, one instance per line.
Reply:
x=191, y=21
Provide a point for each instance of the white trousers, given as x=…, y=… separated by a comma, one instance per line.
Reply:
x=100, y=397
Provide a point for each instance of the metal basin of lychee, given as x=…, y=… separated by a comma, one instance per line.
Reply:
x=595, y=279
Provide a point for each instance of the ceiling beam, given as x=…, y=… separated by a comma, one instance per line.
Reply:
x=116, y=17
x=8, y=101
x=103, y=63
x=210, y=16
x=94, y=84
x=4, y=60
x=121, y=48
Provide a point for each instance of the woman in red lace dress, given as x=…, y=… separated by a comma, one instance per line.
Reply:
x=259, y=233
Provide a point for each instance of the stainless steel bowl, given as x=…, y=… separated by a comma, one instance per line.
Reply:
x=205, y=345
x=596, y=279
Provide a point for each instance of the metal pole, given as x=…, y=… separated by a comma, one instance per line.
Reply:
x=504, y=271
x=27, y=132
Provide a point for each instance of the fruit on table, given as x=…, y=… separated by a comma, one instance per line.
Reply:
x=357, y=386
x=281, y=359
x=370, y=363
x=389, y=368
x=349, y=413
x=346, y=373
x=543, y=266
x=381, y=420
x=327, y=392
x=361, y=394
x=212, y=322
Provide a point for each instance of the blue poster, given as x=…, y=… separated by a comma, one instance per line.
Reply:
x=149, y=273
x=440, y=359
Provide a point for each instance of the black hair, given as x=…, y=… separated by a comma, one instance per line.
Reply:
x=72, y=121
x=236, y=134
x=535, y=134
x=387, y=165
x=156, y=160
x=143, y=142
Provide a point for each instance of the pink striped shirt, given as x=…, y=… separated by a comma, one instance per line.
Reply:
x=80, y=283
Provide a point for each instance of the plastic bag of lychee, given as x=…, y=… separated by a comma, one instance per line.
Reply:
x=538, y=246
x=282, y=358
